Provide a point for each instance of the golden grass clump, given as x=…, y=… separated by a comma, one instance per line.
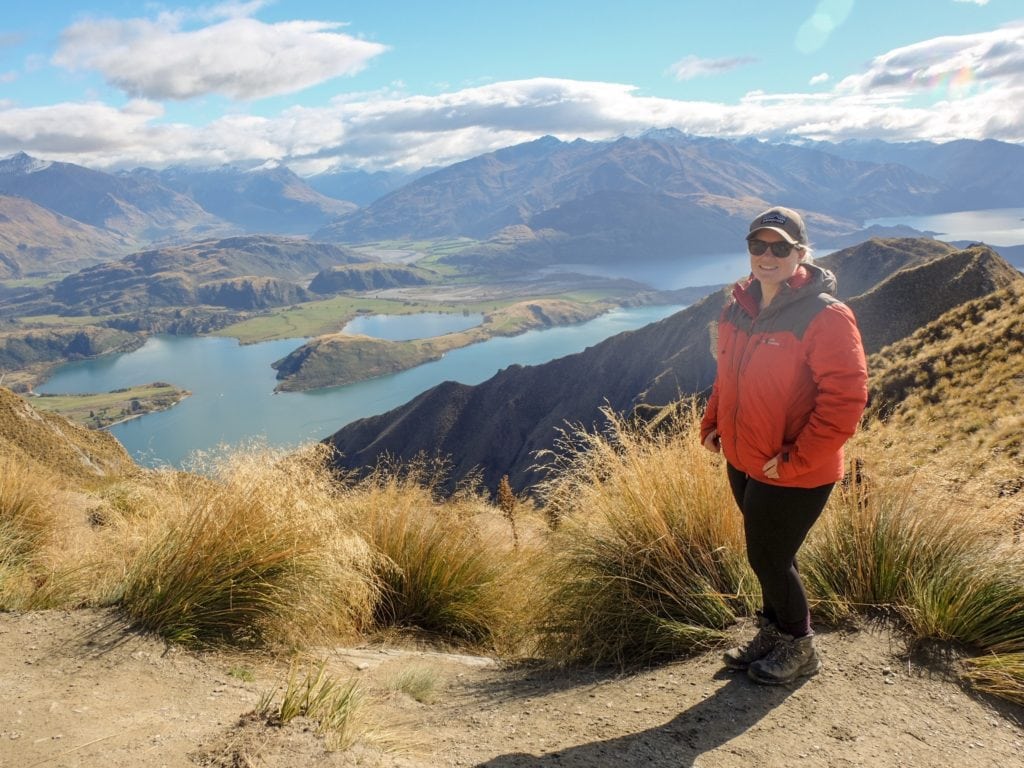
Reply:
x=41, y=563
x=255, y=552
x=947, y=572
x=648, y=557
x=1000, y=675
x=450, y=569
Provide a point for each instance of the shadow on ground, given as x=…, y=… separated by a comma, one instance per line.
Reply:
x=728, y=712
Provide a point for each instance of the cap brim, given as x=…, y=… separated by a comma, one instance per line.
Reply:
x=786, y=236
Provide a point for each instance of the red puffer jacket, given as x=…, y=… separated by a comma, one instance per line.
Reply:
x=791, y=379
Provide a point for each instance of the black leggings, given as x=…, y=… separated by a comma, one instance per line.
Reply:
x=776, y=521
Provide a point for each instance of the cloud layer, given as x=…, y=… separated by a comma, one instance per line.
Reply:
x=239, y=57
x=968, y=86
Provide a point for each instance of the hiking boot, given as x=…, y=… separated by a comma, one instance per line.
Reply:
x=741, y=657
x=791, y=658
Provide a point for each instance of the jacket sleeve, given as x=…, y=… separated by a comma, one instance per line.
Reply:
x=836, y=359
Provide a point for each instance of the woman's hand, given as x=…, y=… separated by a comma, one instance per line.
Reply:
x=712, y=442
x=771, y=467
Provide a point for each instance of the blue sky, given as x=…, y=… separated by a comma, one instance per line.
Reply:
x=407, y=83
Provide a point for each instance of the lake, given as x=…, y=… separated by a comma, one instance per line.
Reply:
x=233, y=399
x=997, y=226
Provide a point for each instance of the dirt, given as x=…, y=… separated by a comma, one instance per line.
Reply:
x=79, y=689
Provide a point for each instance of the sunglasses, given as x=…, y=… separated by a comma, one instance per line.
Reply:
x=780, y=250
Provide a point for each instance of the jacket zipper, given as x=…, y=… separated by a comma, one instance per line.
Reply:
x=745, y=355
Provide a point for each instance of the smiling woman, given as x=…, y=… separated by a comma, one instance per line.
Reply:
x=790, y=387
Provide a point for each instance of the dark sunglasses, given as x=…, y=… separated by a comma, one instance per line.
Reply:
x=780, y=250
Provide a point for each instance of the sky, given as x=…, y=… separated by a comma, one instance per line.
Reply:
x=405, y=84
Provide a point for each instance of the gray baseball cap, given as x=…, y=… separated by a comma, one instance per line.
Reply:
x=785, y=221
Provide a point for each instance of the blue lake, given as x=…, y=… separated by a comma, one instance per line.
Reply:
x=232, y=385
x=997, y=226
x=421, y=325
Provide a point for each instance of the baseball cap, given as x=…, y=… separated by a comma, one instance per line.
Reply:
x=785, y=221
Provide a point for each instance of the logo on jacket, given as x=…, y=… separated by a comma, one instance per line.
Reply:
x=773, y=342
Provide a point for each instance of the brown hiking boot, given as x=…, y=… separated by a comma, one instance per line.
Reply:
x=791, y=658
x=741, y=657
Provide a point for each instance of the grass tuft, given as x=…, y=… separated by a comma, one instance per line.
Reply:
x=1001, y=675
x=440, y=568
x=334, y=706
x=647, y=559
x=252, y=555
x=39, y=561
x=418, y=682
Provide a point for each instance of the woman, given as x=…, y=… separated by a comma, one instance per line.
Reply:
x=790, y=389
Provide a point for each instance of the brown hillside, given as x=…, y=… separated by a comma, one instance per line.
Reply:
x=919, y=294
x=861, y=267
x=948, y=398
x=34, y=240
x=53, y=442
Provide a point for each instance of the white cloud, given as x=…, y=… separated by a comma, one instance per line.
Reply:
x=975, y=2
x=987, y=58
x=239, y=57
x=819, y=79
x=693, y=66
x=392, y=128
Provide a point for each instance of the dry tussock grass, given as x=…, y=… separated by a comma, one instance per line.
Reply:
x=647, y=560
x=636, y=553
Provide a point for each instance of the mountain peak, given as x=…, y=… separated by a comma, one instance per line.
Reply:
x=21, y=163
x=665, y=134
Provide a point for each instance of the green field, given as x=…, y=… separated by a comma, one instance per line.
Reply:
x=105, y=408
x=317, y=318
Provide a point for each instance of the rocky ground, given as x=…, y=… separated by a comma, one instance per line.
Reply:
x=78, y=689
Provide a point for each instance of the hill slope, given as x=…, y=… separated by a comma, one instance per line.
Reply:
x=36, y=241
x=239, y=272
x=948, y=396
x=54, y=443
x=264, y=200
x=638, y=192
x=136, y=207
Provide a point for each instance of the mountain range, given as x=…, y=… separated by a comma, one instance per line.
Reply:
x=667, y=195
x=659, y=196
x=499, y=426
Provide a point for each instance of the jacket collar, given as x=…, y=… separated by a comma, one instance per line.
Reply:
x=808, y=279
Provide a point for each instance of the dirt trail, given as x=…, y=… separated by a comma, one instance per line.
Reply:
x=77, y=690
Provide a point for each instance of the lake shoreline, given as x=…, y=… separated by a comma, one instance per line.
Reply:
x=233, y=385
